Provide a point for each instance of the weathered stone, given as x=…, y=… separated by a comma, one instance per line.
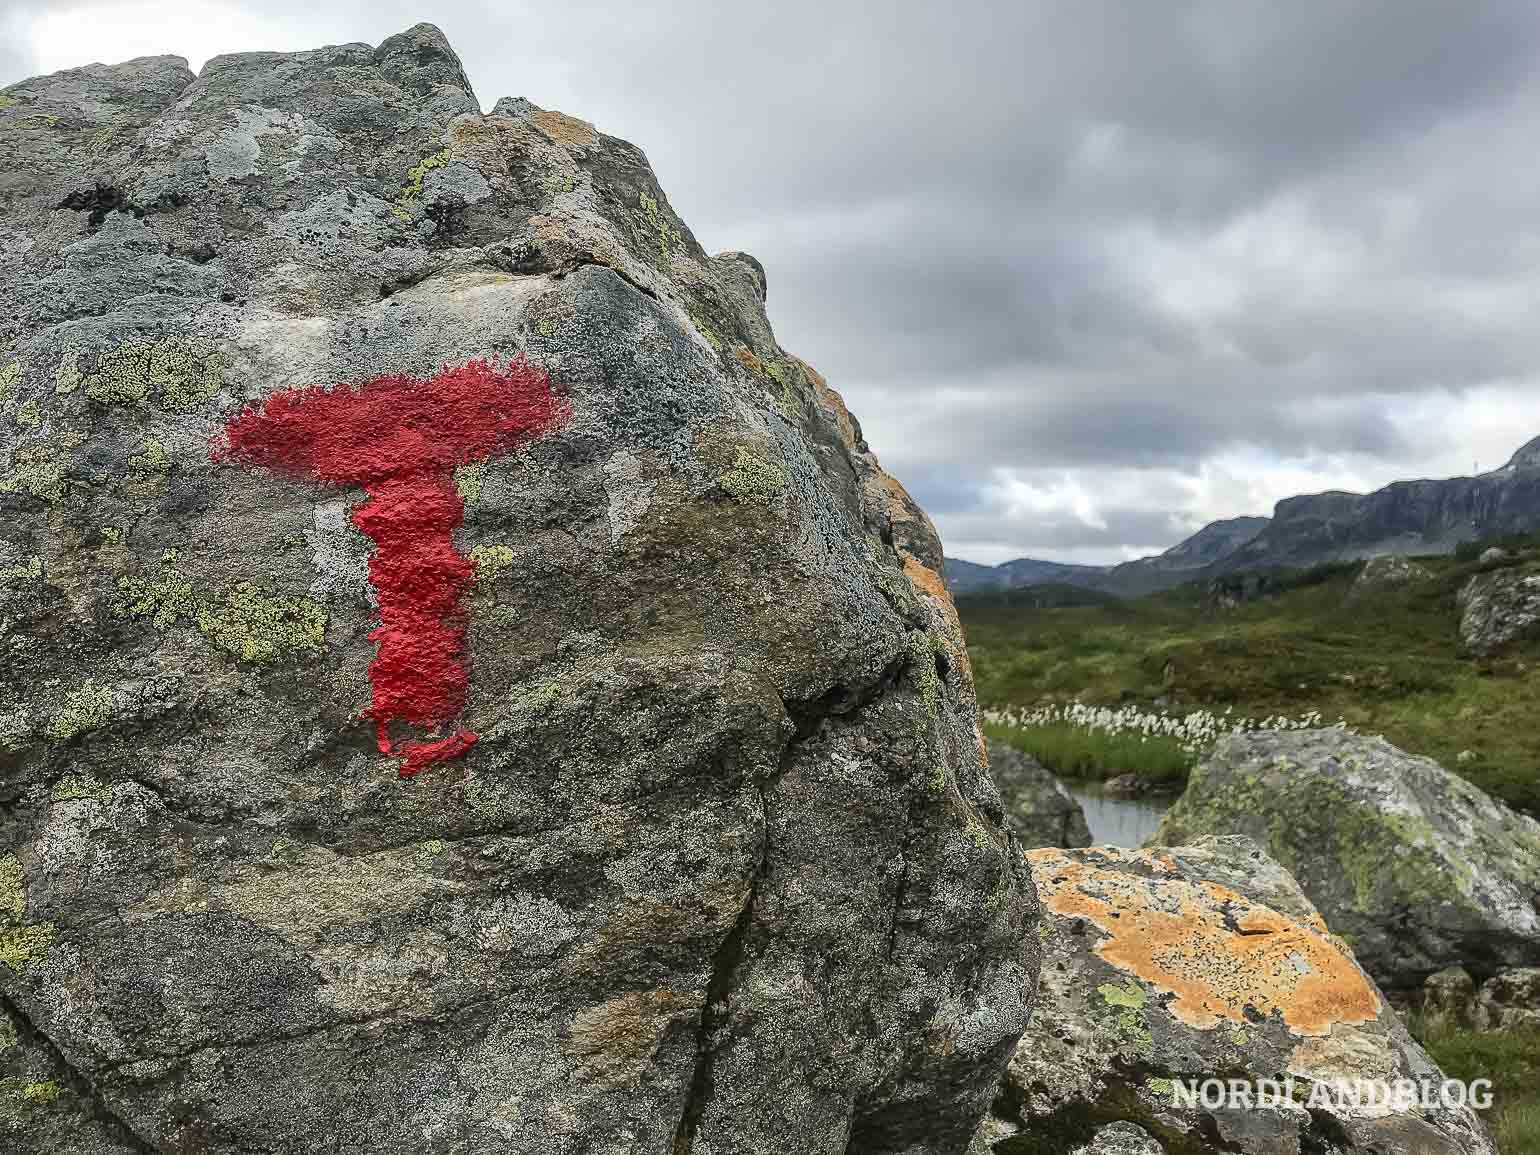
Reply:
x=1414, y=866
x=1121, y=1139
x=1508, y=1001
x=1165, y=968
x=1386, y=571
x=1448, y=994
x=1040, y=810
x=723, y=870
x=1499, y=607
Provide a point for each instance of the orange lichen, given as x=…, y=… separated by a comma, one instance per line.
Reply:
x=1216, y=950
x=568, y=131
x=928, y=583
x=750, y=360
x=830, y=399
x=617, y=1040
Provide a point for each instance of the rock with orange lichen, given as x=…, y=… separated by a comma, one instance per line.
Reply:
x=1413, y=865
x=1207, y=961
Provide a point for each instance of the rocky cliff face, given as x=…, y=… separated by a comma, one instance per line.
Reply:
x=462, y=684
x=1406, y=517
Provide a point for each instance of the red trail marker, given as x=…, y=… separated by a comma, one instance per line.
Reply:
x=400, y=439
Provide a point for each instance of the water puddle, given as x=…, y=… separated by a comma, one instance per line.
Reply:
x=1117, y=821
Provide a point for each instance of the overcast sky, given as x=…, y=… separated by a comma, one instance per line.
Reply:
x=1090, y=274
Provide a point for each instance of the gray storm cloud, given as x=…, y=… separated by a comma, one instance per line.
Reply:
x=1093, y=255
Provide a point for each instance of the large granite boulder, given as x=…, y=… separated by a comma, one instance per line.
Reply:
x=1165, y=969
x=1415, y=867
x=463, y=685
x=1040, y=810
x=1498, y=607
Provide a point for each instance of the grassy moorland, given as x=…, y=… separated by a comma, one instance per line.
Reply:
x=1510, y=1059
x=1389, y=662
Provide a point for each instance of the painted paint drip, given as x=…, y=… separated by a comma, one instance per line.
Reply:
x=400, y=440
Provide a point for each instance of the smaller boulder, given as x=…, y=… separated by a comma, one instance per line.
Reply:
x=1449, y=994
x=1509, y=1001
x=1040, y=810
x=1494, y=555
x=1121, y=1138
x=1498, y=607
x=1166, y=969
x=1385, y=572
x=1416, y=867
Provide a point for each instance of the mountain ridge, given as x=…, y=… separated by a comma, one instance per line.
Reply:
x=1422, y=516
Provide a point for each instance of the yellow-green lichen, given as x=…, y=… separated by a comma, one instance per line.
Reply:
x=27, y=573
x=491, y=560
x=13, y=891
x=163, y=598
x=80, y=787
x=411, y=191
x=87, y=707
x=40, y=469
x=25, y=946
x=922, y=671
x=468, y=479
x=706, y=331
x=182, y=375
x=7, y=100
x=153, y=460
x=8, y=1038
x=29, y=416
x=10, y=377
x=668, y=234
x=44, y=1092
x=257, y=627
x=753, y=480
x=68, y=377
x=1127, y=1013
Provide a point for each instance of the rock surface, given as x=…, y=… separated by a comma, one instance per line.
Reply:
x=1499, y=607
x=1166, y=966
x=1040, y=810
x=1415, y=867
x=711, y=860
x=1508, y=1001
x=1383, y=571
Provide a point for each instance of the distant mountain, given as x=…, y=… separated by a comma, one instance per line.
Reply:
x=1406, y=517
x=1182, y=562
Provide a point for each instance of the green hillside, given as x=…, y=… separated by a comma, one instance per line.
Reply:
x=1389, y=662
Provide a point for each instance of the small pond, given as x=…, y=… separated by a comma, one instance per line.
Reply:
x=1118, y=821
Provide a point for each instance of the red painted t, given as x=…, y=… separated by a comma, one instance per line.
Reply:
x=400, y=439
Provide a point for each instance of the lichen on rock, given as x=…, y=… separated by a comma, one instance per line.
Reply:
x=1380, y=840
x=705, y=867
x=1166, y=968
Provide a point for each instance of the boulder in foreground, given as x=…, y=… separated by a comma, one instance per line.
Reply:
x=653, y=817
x=1165, y=968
